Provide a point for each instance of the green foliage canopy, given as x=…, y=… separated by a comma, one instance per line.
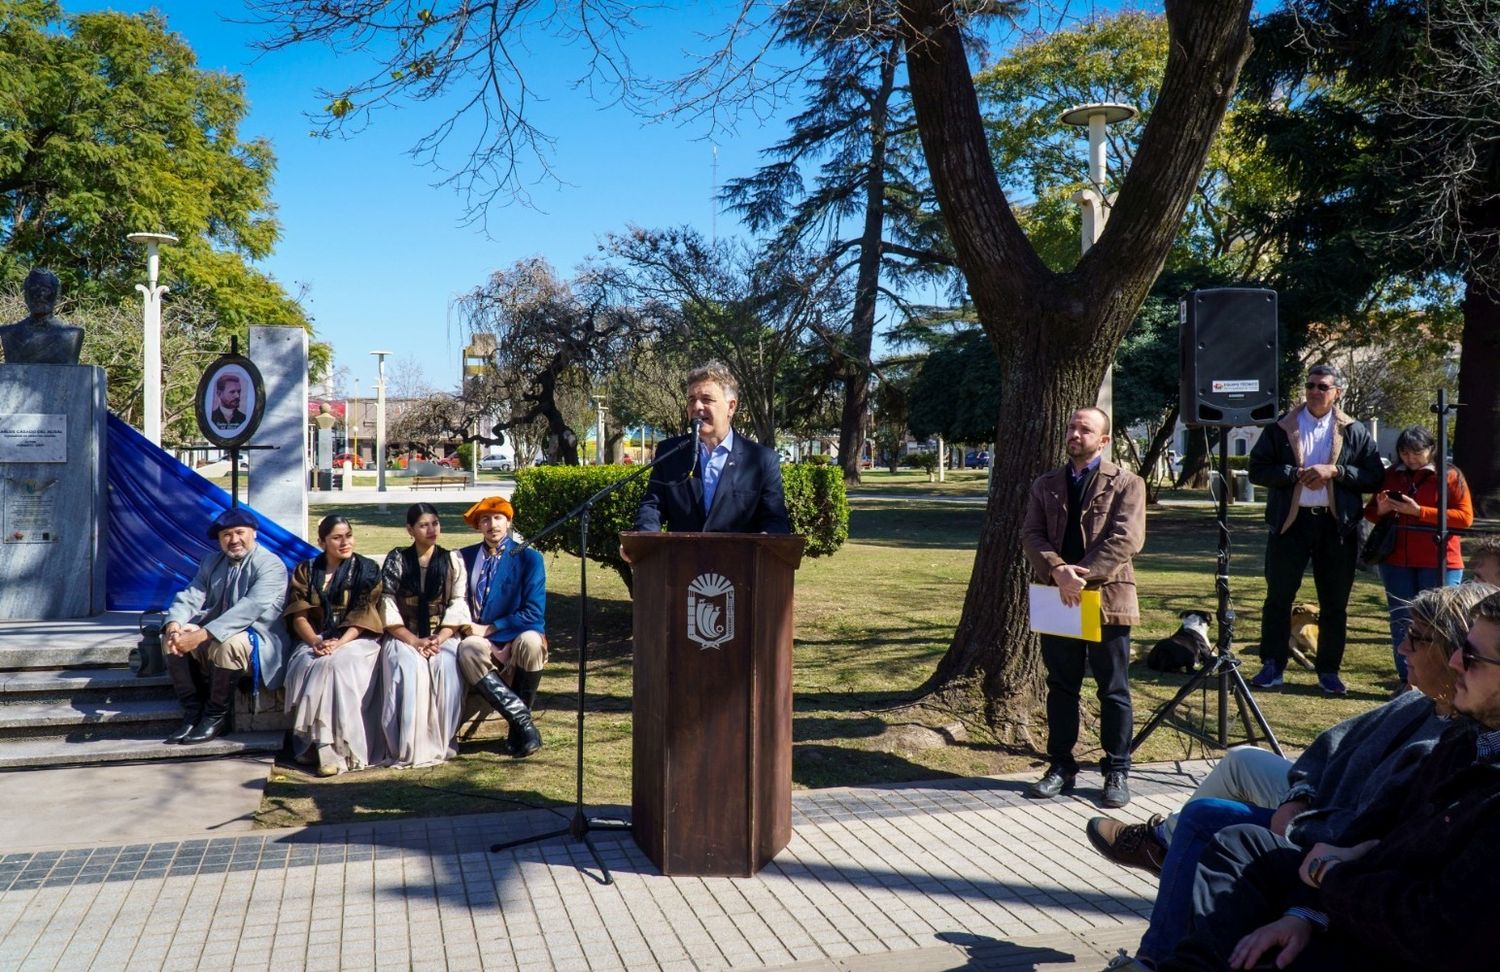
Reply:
x=108, y=126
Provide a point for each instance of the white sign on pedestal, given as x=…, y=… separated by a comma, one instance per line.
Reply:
x=32, y=437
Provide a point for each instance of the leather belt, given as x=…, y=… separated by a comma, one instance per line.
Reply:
x=1316, y=510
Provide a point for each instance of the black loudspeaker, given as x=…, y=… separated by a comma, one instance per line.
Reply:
x=1229, y=356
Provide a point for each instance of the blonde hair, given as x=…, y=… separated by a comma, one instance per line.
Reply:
x=1447, y=611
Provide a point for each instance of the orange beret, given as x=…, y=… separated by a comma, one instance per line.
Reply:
x=490, y=504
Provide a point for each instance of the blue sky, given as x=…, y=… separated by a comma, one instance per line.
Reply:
x=381, y=251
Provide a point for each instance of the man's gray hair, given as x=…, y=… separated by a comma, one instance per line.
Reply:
x=715, y=371
x=1332, y=371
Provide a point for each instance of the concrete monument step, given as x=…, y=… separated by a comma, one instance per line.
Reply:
x=105, y=639
x=84, y=712
x=65, y=681
x=82, y=748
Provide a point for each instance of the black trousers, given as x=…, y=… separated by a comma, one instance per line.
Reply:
x=1245, y=879
x=1109, y=660
x=1316, y=538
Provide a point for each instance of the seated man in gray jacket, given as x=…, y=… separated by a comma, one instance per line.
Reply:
x=226, y=623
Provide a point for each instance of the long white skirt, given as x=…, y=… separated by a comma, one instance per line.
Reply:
x=422, y=700
x=335, y=701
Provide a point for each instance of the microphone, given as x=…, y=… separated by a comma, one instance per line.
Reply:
x=697, y=424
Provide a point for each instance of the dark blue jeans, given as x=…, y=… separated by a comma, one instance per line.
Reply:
x=1197, y=823
x=1401, y=585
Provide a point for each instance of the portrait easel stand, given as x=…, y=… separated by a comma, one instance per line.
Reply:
x=580, y=825
x=233, y=450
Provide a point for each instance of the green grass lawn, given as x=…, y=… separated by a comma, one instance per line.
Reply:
x=872, y=622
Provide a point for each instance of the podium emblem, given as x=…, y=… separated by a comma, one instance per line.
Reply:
x=710, y=610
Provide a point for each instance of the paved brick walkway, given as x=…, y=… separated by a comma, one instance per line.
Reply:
x=963, y=873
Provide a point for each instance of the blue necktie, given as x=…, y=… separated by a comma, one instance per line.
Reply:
x=710, y=479
x=486, y=575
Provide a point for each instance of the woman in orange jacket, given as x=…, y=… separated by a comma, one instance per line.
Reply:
x=1410, y=493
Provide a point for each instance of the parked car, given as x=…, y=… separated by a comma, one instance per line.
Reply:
x=349, y=457
x=496, y=463
x=977, y=460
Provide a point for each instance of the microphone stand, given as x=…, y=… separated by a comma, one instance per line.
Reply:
x=580, y=825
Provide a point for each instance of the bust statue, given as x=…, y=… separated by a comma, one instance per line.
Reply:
x=41, y=338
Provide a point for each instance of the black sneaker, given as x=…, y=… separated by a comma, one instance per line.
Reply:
x=1116, y=790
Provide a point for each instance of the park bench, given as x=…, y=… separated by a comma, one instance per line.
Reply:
x=439, y=482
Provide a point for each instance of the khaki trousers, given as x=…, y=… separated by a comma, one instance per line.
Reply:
x=234, y=653
x=476, y=656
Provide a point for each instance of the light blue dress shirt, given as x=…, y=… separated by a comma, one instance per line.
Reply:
x=713, y=467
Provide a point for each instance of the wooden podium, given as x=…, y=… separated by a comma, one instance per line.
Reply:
x=712, y=780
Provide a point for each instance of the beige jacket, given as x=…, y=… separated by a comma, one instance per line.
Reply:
x=1114, y=531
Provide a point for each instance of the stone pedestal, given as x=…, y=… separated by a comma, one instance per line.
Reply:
x=278, y=476
x=52, y=491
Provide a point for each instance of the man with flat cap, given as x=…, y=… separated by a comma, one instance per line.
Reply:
x=224, y=624
x=506, y=648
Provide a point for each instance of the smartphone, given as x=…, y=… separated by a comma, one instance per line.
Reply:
x=1393, y=493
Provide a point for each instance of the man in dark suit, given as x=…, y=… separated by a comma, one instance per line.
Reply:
x=727, y=484
x=227, y=394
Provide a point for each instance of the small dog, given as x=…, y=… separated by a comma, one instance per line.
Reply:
x=1304, y=641
x=1186, y=649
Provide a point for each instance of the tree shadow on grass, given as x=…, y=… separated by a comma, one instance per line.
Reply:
x=916, y=525
x=815, y=765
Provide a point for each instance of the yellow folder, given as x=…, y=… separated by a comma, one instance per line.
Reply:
x=1050, y=616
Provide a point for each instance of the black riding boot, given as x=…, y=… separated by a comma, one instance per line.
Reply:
x=220, y=706
x=524, y=684
x=524, y=739
x=189, y=691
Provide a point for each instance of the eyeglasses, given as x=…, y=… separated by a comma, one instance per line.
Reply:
x=1472, y=655
x=1317, y=386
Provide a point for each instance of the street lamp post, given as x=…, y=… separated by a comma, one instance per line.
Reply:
x=1093, y=201
x=353, y=424
x=380, y=420
x=599, y=403
x=151, y=345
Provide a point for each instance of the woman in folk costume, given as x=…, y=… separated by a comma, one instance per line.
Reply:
x=426, y=608
x=333, y=610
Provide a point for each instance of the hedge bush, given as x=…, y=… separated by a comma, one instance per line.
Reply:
x=815, y=500
x=817, y=505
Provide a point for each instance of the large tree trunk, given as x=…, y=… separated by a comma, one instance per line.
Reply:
x=1476, y=439
x=1053, y=334
x=856, y=359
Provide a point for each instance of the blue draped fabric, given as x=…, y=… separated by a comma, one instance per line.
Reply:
x=159, y=512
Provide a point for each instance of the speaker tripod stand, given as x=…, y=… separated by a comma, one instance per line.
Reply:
x=1225, y=667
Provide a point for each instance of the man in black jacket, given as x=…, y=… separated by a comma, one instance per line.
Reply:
x=723, y=483
x=1408, y=885
x=1316, y=462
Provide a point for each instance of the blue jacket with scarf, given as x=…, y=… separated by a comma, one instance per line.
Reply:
x=517, y=598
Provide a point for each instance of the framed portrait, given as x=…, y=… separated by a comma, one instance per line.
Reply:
x=231, y=401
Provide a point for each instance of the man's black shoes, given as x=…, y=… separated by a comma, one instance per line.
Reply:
x=1116, y=790
x=1052, y=783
